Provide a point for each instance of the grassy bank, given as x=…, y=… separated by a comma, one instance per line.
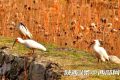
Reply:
x=68, y=58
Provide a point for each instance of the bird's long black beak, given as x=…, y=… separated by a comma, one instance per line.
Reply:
x=14, y=43
x=101, y=41
x=91, y=44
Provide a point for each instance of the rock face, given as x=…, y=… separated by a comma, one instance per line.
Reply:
x=23, y=68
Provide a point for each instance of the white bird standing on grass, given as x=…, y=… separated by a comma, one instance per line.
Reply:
x=30, y=44
x=24, y=31
x=101, y=52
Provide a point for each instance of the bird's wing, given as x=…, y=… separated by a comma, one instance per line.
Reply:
x=28, y=33
x=103, y=53
x=22, y=29
x=34, y=44
x=25, y=30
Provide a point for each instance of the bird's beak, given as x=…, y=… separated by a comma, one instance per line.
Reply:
x=101, y=41
x=91, y=44
x=14, y=42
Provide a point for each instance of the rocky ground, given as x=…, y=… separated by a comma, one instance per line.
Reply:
x=26, y=68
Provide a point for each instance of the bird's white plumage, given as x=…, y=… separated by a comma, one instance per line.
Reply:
x=31, y=44
x=24, y=30
x=101, y=51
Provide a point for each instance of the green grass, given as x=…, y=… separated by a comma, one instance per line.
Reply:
x=68, y=58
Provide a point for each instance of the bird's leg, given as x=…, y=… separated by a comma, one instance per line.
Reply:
x=101, y=61
x=98, y=60
x=98, y=57
x=34, y=56
x=107, y=61
x=32, y=51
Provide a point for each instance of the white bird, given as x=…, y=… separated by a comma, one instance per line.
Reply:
x=114, y=59
x=30, y=44
x=24, y=31
x=101, y=52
